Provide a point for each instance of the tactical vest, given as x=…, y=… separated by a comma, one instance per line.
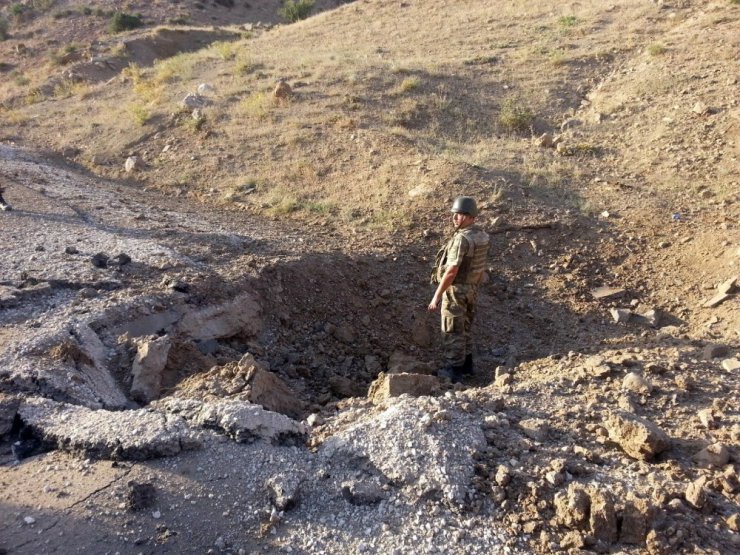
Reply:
x=473, y=266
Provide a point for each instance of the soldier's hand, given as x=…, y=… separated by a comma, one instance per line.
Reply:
x=433, y=305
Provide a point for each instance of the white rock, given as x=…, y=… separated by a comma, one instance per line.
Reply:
x=29, y=519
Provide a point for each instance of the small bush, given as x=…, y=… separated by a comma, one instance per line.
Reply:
x=257, y=104
x=17, y=10
x=409, y=84
x=124, y=22
x=295, y=10
x=656, y=49
x=139, y=113
x=3, y=28
x=515, y=115
x=567, y=21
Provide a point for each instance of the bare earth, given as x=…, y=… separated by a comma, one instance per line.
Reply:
x=226, y=349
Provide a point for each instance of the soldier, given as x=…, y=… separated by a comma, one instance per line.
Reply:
x=458, y=272
x=4, y=206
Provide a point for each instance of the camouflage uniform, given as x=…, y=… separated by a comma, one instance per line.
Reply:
x=468, y=250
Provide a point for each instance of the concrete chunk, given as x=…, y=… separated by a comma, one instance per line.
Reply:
x=394, y=385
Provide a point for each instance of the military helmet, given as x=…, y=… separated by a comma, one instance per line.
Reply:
x=465, y=205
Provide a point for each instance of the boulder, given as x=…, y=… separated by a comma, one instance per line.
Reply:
x=394, y=385
x=151, y=358
x=715, y=455
x=639, y=438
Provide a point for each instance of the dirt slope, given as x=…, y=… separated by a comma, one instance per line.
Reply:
x=326, y=207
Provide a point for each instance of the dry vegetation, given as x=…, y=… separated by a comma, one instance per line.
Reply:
x=397, y=107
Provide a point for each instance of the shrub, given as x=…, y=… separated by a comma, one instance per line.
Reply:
x=515, y=115
x=295, y=10
x=409, y=84
x=139, y=113
x=124, y=22
x=656, y=49
x=567, y=21
x=3, y=28
x=17, y=10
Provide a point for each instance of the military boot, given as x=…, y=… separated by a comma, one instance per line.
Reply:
x=467, y=367
x=452, y=373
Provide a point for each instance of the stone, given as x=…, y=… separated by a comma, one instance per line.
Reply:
x=696, y=493
x=118, y=435
x=344, y=387
x=271, y=392
x=239, y=316
x=372, y=365
x=345, y=333
x=717, y=300
x=639, y=438
x=605, y=292
x=394, y=385
x=651, y=317
x=573, y=506
x=597, y=367
x=733, y=522
x=637, y=383
x=715, y=455
x=205, y=88
x=636, y=520
x=400, y=363
x=534, y=428
x=240, y=420
x=8, y=409
x=714, y=350
x=728, y=286
x=284, y=490
x=282, y=90
x=570, y=124
x=363, y=492
x=314, y=420
x=99, y=260
x=545, y=141
x=620, y=315
x=133, y=163
x=71, y=250
x=731, y=364
x=602, y=517
x=149, y=363
x=700, y=108
x=192, y=101
x=706, y=417
x=120, y=259
x=572, y=540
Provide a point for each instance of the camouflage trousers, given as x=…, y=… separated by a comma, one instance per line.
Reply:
x=458, y=311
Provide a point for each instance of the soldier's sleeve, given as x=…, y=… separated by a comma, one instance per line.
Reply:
x=458, y=250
